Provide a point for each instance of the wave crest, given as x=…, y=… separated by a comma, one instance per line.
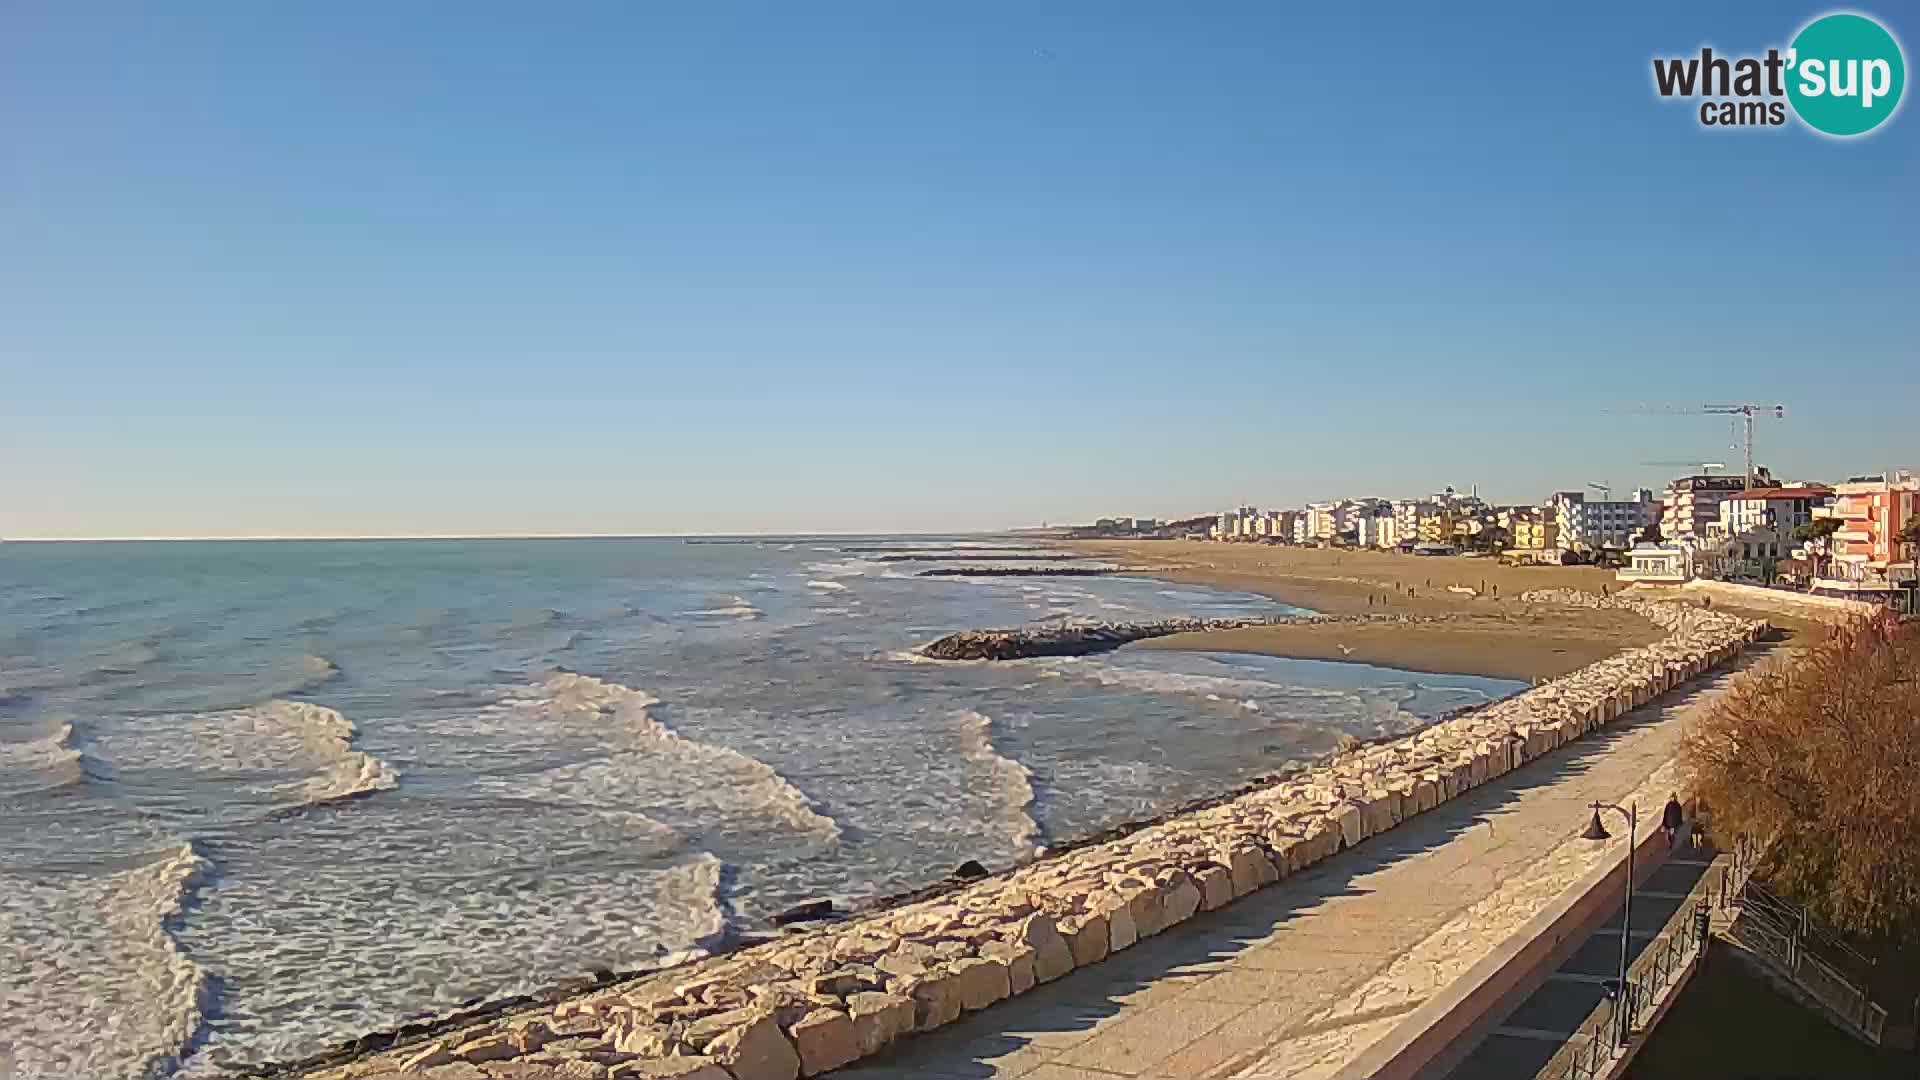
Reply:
x=328, y=736
x=1012, y=780
x=40, y=764
x=113, y=995
x=722, y=774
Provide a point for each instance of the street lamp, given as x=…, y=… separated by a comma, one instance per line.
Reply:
x=1598, y=831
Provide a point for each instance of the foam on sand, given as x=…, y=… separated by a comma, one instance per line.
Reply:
x=96, y=985
x=1012, y=781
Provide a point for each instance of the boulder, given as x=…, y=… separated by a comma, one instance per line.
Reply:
x=1019, y=959
x=756, y=1049
x=878, y=1019
x=936, y=1000
x=979, y=981
x=1181, y=901
x=1053, y=957
x=1216, y=889
x=673, y=1068
x=1087, y=938
x=824, y=1039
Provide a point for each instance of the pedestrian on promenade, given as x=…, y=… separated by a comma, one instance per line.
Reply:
x=1672, y=818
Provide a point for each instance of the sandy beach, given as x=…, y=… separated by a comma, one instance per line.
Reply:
x=1486, y=630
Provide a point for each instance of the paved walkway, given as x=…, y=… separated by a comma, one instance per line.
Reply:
x=1528, y=1037
x=1299, y=978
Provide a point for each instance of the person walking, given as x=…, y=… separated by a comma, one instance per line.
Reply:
x=1672, y=818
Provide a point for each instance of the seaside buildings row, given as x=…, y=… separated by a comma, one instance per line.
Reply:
x=1702, y=525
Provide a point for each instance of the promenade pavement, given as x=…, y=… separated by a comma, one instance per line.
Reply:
x=1298, y=979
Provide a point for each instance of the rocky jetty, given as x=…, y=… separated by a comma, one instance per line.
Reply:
x=805, y=1004
x=978, y=553
x=1072, y=639
x=1029, y=571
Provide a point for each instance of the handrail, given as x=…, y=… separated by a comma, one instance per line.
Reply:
x=1594, y=1043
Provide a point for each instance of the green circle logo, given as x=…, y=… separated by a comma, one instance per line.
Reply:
x=1845, y=74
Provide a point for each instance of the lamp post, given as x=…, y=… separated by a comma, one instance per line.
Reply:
x=1598, y=831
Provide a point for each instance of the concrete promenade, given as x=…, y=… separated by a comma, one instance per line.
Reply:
x=1298, y=979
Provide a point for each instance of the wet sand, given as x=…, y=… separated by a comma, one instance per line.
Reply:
x=1487, y=633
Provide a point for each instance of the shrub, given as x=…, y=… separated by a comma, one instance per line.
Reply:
x=1822, y=753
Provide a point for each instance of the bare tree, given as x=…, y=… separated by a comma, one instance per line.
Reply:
x=1821, y=754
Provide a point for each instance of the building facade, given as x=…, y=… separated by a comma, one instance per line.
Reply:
x=1867, y=558
x=1784, y=509
x=1691, y=504
x=1588, y=525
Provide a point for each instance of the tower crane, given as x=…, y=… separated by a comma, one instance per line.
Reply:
x=1746, y=411
x=1605, y=490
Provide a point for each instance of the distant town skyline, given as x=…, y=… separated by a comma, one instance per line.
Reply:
x=857, y=268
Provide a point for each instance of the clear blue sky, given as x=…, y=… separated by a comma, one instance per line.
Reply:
x=357, y=267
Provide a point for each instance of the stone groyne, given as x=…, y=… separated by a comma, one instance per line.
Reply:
x=1029, y=571
x=1077, y=638
x=820, y=1000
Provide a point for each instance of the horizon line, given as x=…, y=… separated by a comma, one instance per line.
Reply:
x=497, y=536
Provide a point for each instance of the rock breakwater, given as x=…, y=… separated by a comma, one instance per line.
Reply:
x=1029, y=571
x=1073, y=639
x=815, y=1002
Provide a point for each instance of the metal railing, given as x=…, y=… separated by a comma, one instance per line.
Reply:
x=1606, y=1031
x=1779, y=932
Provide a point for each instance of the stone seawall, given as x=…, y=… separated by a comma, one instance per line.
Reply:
x=820, y=1000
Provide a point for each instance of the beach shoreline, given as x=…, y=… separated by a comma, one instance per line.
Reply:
x=1476, y=624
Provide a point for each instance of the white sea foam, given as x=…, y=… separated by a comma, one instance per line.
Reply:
x=1012, y=781
x=96, y=986
x=740, y=608
x=39, y=764
x=263, y=743
x=328, y=737
x=698, y=784
x=829, y=586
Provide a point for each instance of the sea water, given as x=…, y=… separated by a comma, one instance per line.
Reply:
x=260, y=797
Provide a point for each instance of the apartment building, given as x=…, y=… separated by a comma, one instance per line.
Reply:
x=1866, y=558
x=1780, y=508
x=1585, y=524
x=1692, y=504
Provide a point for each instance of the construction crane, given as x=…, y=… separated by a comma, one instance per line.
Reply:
x=1605, y=490
x=1746, y=411
x=1704, y=466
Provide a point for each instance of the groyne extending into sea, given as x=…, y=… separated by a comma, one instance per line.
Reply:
x=819, y=1000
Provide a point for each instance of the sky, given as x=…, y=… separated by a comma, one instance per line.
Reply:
x=355, y=268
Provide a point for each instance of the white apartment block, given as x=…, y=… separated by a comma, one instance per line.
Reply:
x=1592, y=524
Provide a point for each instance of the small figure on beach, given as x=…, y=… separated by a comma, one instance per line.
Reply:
x=1672, y=818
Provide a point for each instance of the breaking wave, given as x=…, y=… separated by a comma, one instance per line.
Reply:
x=103, y=989
x=294, y=675
x=328, y=737
x=700, y=785
x=738, y=609
x=1013, y=782
x=39, y=765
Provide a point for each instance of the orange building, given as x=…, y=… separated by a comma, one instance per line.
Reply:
x=1866, y=557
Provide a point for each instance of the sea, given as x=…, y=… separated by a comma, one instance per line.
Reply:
x=260, y=797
